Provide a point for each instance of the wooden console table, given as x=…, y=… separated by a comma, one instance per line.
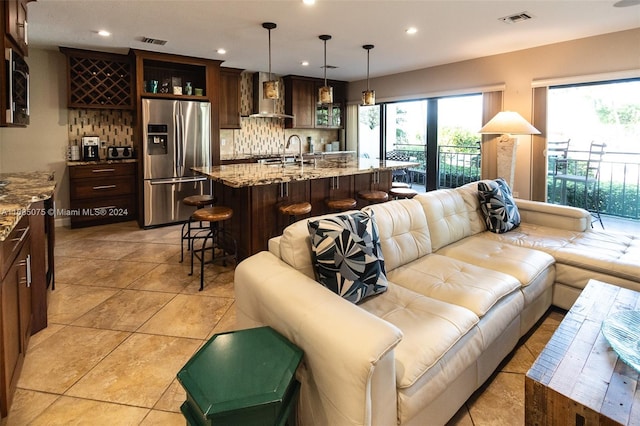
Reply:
x=578, y=379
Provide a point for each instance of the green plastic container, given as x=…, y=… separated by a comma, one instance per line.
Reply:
x=243, y=377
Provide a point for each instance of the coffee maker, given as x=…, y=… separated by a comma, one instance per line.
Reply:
x=90, y=148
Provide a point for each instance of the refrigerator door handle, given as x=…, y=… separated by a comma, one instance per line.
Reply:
x=177, y=180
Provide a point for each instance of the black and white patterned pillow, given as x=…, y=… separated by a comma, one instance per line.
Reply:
x=498, y=207
x=347, y=256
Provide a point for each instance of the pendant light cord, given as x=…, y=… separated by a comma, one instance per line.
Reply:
x=270, y=77
x=325, y=62
x=368, y=50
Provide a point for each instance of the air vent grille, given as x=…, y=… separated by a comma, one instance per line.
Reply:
x=518, y=17
x=156, y=41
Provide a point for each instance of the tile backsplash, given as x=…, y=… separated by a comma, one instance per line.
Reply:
x=258, y=136
x=115, y=127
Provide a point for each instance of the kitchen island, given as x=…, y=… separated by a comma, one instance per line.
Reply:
x=256, y=191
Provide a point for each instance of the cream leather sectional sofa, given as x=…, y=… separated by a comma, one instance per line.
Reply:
x=459, y=298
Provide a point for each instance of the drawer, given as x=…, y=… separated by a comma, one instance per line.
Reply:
x=102, y=171
x=11, y=245
x=100, y=188
x=103, y=210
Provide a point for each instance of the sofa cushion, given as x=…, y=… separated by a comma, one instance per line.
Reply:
x=430, y=328
x=456, y=282
x=447, y=216
x=498, y=207
x=404, y=233
x=523, y=263
x=347, y=255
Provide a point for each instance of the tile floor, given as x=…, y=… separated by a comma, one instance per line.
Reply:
x=126, y=316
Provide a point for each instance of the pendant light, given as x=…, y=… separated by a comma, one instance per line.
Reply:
x=325, y=93
x=368, y=96
x=270, y=88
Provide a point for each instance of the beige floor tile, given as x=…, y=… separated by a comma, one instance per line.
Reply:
x=44, y=334
x=100, y=272
x=154, y=252
x=461, y=418
x=519, y=361
x=167, y=278
x=27, y=405
x=500, y=403
x=75, y=411
x=218, y=281
x=96, y=249
x=538, y=340
x=163, y=418
x=172, y=398
x=127, y=310
x=57, y=363
x=138, y=371
x=68, y=303
x=187, y=316
x=226, y=323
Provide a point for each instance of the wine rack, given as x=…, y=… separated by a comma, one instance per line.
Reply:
x=99, y=81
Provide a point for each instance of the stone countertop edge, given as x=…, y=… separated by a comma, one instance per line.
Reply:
x=100, y=162
x=21, y=191
x=252, y=174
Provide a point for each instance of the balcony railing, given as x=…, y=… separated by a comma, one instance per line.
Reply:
x=619, y=183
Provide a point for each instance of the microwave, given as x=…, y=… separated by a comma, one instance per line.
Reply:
x=17, y=93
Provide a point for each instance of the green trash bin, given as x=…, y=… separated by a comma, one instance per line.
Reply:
x=244, y=377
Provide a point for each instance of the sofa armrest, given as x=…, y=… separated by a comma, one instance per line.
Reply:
x=553, y=215
x=346, y=349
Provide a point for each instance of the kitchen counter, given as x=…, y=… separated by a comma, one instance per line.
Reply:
x=99, y=162
x=253, y=174
x=16, y=197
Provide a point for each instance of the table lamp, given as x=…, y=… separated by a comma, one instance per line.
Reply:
x=508, y=123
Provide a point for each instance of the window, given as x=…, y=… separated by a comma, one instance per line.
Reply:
x=440, y=134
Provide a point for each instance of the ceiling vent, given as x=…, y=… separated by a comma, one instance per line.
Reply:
x=518, y=17
x=155, y=41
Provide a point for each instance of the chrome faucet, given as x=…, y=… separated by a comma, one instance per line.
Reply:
x=299, y=146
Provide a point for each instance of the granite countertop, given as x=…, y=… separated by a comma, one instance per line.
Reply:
x=100, y=162
x=252, y=174
x=17, y=192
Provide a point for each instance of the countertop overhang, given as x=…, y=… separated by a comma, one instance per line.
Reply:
x=252, y=174
x=19, y=193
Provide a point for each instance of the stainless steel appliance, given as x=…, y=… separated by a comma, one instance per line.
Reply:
x=90, y=148
x=176, y=137
x=17, y=95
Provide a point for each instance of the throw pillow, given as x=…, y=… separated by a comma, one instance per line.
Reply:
x=498, y=207
x=347, y=256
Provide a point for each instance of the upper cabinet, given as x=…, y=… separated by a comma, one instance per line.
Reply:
x=98, y=80
x=168, y=76
x=16, y=27
x=230, y=98
x=301, y=101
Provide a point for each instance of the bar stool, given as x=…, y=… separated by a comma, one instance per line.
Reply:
x=400, y=185
x=294, y=210
x=401, y=193
x=341, y=204
x=197, y=201
x=373, y=196
x=220, y=238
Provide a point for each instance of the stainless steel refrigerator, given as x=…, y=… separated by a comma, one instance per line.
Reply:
x=176, y=137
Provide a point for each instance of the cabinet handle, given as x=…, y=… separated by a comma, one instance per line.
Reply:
x=21, y=237
x=27, y=264
x=102, y=170
x=104, y=187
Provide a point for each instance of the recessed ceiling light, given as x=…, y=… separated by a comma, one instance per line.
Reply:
x=309, y=1
x=104, y=33
x=304, y=63
x=221, y=51
x=411, y=30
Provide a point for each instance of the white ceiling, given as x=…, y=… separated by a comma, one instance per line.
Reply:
x=448, y=31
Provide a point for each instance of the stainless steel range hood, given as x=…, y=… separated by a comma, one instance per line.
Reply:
x=264, y=108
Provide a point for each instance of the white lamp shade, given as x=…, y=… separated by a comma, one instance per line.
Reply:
x=509, y=122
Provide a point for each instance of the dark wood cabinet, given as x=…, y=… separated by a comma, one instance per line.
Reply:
x=17, y=314
x=329, y=188
x=378, y=181
x=102, y=194
x=98, y=80
x=16, y=23
x=301, y=95
x=230, y=98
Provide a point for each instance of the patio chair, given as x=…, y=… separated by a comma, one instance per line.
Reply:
x=557, y=153
x=401, y=175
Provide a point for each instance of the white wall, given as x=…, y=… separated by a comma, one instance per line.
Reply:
x=42, y=144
